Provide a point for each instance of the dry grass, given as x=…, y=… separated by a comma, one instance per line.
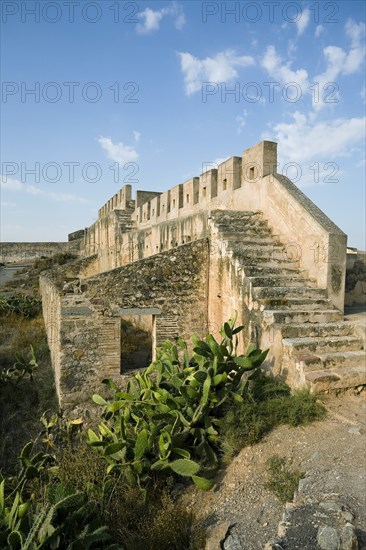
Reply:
x=22, y=405
x=157, y=522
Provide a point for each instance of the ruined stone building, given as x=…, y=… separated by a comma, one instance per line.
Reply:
x=239, y=238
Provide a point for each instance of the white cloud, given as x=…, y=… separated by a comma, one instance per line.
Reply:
x=220, y=68
x=303, y=21
x=319, y=29
x=11, y=184
x=356, y=32
x=283, y=72
x=150, y=19
x=305, y=139
x=323, y=87
x=241, y=121
x=118, y=151
x=339, y=62
x=291, y=48
x=136, y=135
x=180, y=19
x=15, y=185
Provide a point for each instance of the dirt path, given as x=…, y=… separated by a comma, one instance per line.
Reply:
x=242, y=514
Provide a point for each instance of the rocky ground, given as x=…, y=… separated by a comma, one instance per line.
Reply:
x=241, y=513
x=329, y=509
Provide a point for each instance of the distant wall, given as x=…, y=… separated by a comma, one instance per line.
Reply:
x=76, y=235
x=28, y=252
x=356, y=278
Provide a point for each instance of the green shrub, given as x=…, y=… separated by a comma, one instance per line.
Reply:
x=166, y=420
x=21, y=368
x=269, y=403
x=21, y=305
x=284, y=480
x=37, y=510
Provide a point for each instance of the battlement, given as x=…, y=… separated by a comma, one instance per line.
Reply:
x=128, y=230
x=119, y=201
x=211, y=189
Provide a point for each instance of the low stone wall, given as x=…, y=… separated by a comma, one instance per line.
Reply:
x=83, y=317
x=28, y=252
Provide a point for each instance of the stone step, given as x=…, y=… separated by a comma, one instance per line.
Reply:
x=273, y=271
x=337, y=379
x=322, y=345
x=294, y=280
x=241, y=222
x=231, y=233
x=330, y=315
x=316, y=330
x=289, y=292
x=329, y=361
x=253, y=240
x=260, y=252
x=294, y=303
x=234, y=214
x=264, y=261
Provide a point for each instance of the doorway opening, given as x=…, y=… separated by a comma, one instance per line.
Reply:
x=136, y=342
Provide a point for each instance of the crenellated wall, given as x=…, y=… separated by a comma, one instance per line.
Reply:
x=129, y=230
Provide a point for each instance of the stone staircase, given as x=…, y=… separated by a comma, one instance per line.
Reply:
x=309, y=341
x=124, y=220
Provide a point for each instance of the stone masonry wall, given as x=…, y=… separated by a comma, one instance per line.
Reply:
x=83, y=321
x=28, y=252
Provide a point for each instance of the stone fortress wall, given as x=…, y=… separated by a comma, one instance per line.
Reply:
x=23, y=253
x=128, y=230
x=239, y=238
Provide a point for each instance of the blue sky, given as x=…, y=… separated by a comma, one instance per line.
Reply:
x=139, y=92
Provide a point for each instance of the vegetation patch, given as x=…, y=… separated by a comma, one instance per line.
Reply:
x=26, y=384
x=119, y=485
x=20, y=305
x=357, y=273
x=167, y=420
x=268, y=404
x=283, y=478
x=28, y=277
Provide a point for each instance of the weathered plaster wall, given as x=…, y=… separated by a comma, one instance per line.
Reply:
x=28, y=252
x=83, y=321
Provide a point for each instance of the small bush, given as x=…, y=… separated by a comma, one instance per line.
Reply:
x=136, y=520
x=20, y=305
x=157, y=522
x=283, y=480
x=17, y=334
x=269, y=404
